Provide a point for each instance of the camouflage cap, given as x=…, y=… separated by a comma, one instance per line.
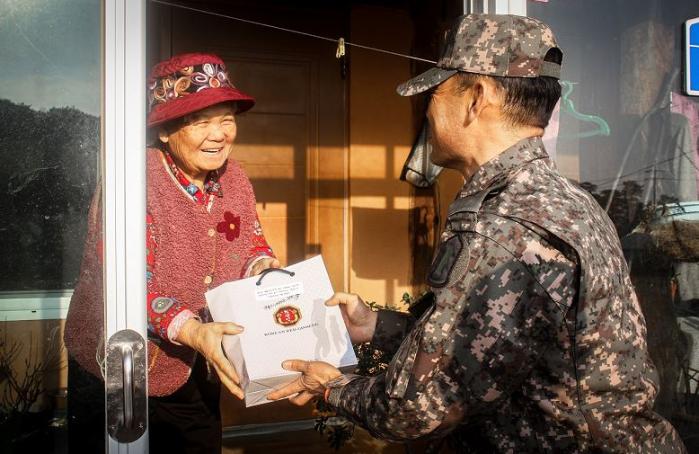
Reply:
x=493, y=45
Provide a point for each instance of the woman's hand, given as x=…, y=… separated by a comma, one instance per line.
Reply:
x=262, y=264
x=311, y=383
x=206, y=338
x=359, y=318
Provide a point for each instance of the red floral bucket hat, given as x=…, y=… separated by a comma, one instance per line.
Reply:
x=190, y=82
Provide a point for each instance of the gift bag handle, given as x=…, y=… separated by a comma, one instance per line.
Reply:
x=269, y=270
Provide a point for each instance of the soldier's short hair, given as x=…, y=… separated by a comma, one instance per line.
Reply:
x=528, y=101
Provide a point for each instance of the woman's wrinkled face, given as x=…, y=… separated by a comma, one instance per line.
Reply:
x=204, y=142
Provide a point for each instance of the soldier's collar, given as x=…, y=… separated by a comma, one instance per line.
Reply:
x=516, y=156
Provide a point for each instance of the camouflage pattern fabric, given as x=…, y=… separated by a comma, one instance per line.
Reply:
x=391, y=328
x=490, y=44
x=536, y=342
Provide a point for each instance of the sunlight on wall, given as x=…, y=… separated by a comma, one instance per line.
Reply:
x=267, y=161
x=368, y=161
x=380, y=138
x=319, y=197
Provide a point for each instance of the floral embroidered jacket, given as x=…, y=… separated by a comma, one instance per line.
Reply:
x=165, y=314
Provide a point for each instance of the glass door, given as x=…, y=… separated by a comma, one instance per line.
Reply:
x=628, y=132
x=71, y=226
x=50, y=134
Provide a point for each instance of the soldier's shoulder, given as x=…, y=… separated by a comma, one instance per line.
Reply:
x=539, y=184
x=531, y=212
x=481, y=213
x=538, y=194
x=517, y=236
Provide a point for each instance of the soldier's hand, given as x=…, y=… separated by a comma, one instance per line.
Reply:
x=311, y=383
x=359, y=318
x=206, y=338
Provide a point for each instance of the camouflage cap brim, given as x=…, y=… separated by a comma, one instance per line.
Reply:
x=425, y=81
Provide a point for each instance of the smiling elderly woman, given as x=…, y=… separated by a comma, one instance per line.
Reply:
x=202, y=231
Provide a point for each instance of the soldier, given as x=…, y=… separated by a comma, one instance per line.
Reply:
x=534, y=340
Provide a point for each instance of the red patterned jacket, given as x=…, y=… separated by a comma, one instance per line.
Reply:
x=197, y=246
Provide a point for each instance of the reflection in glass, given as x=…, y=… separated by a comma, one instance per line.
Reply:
x=643, y=170
x=49, y=130
x=49, y=155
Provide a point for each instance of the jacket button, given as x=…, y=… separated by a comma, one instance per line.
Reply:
x=212, y=232
x=208, y=279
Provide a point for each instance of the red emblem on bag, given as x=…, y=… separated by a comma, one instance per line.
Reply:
x=287, y=315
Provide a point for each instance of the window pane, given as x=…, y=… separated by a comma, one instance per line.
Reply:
x=49, y=138
x=629, y=134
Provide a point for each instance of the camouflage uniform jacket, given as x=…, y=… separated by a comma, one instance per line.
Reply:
x=536, y=341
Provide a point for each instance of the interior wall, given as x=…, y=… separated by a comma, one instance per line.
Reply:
x=380, y=137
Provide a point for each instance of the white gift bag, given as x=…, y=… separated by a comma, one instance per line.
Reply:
x=284, y=317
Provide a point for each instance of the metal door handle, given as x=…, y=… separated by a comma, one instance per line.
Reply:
x=127, y=409
x=127, y=355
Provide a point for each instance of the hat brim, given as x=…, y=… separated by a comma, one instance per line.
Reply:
x=430, y=78
x=185, y=105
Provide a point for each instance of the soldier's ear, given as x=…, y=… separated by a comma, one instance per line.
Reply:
x=484, y=93
x=478, y=100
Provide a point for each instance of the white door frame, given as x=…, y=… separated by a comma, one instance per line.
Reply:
x=124, y=178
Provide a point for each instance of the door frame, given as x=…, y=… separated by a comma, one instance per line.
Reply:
x=124, y=181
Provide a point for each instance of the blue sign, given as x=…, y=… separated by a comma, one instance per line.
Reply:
x=691, y=69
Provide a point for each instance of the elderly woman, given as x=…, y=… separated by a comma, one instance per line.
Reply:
x=202, y=231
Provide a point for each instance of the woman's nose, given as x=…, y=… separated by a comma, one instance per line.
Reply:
x=217, y=132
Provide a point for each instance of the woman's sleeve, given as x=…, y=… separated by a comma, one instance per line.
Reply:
x=259, y=249
x=166, y=315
